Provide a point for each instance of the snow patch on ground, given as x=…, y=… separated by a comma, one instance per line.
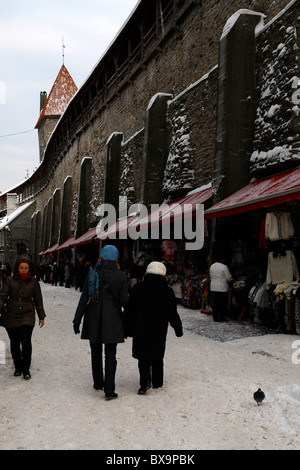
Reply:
x=206, y=401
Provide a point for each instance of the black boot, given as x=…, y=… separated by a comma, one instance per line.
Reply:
x=143, y=390
x=110, y=395
x=18, y=367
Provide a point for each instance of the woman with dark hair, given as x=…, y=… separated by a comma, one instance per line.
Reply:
x=20, y=297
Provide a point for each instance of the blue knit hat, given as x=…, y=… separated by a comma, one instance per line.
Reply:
x=109, y=253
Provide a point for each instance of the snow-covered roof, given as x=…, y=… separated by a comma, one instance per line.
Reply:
x=63, y=90
x=8, y=219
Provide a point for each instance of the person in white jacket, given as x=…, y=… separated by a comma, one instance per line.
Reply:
x=220, y=277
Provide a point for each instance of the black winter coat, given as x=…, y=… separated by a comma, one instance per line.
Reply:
x=22, y=298
x=102, y=321
x=151, y=307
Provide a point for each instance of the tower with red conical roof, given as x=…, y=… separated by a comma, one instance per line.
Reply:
x=53, y=106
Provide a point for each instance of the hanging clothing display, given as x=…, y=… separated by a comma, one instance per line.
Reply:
x=169, y=248
x=289, y=294
x=195, y=292
x=282, y=264
x=278, y=225
x=259, y=301
x=282, y=268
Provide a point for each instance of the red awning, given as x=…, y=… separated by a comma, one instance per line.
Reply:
x=120, y=227
x=259, y=194
x=87, y=237
x=53, y=249
x=66, y=245
x=177, y=210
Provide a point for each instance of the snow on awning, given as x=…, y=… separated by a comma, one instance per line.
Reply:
x=87, y=237
x=258, y=194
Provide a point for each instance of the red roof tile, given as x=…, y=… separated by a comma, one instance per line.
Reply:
x=63, y=89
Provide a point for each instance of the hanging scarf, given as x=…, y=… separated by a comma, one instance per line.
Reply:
x=93, y=282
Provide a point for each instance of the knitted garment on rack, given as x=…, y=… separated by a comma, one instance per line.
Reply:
x=195, y=292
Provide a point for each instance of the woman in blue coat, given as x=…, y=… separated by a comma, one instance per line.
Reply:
x=104, y=294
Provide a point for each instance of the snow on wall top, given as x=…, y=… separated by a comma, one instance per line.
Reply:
x=233, y=19
x=277, y=117
x=179, y=172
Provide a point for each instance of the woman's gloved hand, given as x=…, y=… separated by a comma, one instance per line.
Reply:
x=76, y=328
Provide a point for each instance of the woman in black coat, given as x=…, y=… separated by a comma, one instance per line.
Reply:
x=151, y=307
x=20, y=299
x=104, y=294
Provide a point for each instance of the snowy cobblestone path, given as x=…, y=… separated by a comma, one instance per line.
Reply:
x=206, y=402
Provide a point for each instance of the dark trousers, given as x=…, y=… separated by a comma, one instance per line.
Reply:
x=219, y=305
x=151, y=371
x=108, y=380
x=20, y=346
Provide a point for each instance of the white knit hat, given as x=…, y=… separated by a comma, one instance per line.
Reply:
x=155, y=267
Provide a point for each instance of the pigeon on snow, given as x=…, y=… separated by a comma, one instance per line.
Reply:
x=259, y=396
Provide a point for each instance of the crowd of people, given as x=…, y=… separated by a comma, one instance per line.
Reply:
x=109, y=308
x=64, y=273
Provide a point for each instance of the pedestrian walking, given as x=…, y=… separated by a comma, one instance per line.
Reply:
x=54, y=274
x=104, y=294
x=67, y=274
x=151, y=307
x=220, y=278
x=80, y=275
x=20, y=297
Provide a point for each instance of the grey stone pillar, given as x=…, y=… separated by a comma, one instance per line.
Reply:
x=47, y=227
x=55, y=217
x=43, y=244
x=33, y=238
x=38, y=236
x=236, y=104
x=155, y=149
x=112, y=170
x=66, y=211
x=84, y=197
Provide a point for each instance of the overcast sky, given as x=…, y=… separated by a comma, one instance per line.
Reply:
x=31, y=33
